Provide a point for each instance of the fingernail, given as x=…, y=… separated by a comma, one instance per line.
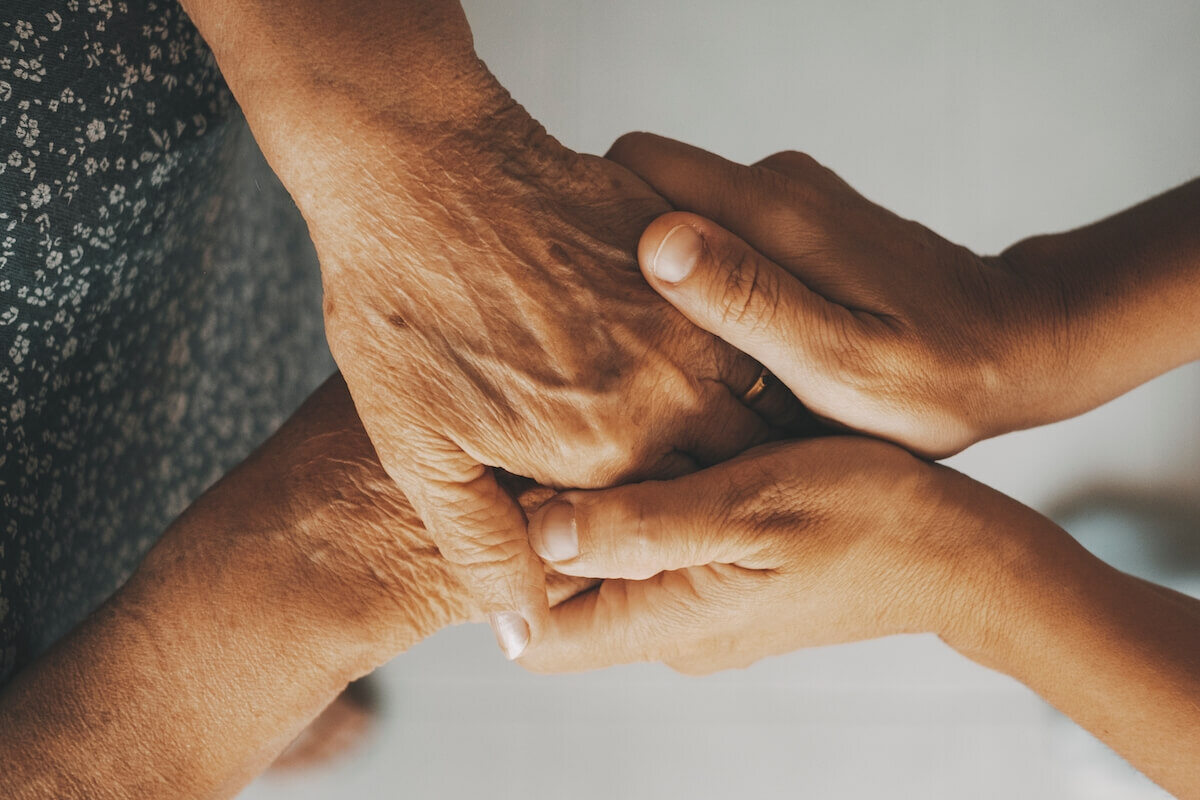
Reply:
x=677, y=254
x=512, y=633
x=555, y=537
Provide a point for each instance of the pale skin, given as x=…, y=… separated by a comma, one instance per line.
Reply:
x=845, y=538
x=305, y=568
x=482, y=296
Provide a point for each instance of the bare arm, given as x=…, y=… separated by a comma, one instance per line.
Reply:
x=481, y=296
x=843, y=538
x=1118, y=655
x=1130, y=289
x=301, y=570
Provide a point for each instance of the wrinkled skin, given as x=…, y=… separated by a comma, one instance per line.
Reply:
x=874, y=321
x=301, y=570
x=481, y=294
x=492, y=315
x=317, y=486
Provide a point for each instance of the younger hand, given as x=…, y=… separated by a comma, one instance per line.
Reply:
x=790, y=545
x=873, y=321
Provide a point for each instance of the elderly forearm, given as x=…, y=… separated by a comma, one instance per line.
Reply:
x=394, y=50
x=349, y=98
x=1118, y=655
x=1131, y=289
x=186, y=684
x=300, y=571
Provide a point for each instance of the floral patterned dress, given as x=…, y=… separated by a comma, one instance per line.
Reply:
x=159, y=299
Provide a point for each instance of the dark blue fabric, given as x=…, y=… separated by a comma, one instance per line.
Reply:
x=159, y=299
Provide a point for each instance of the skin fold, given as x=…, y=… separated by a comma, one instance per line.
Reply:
x=303, y=569
x=884, y=327
x=481, y=292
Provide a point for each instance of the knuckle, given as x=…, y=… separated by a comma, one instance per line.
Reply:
x=749, y=297
x=640, y=539
x=792, y=159
x=606, y=454
x=628, y=145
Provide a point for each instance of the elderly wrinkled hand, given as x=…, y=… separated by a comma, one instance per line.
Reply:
x=316, y=490
x=483, y=302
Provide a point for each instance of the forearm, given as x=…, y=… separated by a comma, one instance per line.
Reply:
x=1118, y=655
x=404, y=53
x=1129, y=308
x=301, y=570
x=353, y=101
x=187, y=683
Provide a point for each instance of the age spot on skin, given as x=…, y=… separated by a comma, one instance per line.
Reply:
x=559, y=254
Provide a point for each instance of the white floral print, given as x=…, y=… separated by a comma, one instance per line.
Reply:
x=159, y=299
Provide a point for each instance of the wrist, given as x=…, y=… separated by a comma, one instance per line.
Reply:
x=326, y=539
x=337, y=91
x=1023, y=572
x=1052, y=335
x=1116, y=302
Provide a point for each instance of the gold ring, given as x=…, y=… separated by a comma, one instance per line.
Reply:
x=759, y=386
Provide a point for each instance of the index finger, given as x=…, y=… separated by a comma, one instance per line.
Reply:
x=756, y=204
x=618, y=622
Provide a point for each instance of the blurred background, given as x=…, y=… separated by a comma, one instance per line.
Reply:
x=987, y=121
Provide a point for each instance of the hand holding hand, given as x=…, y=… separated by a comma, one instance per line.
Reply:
x=313, y=518
x=873, y=321
x=787, y=546
x=844, y=538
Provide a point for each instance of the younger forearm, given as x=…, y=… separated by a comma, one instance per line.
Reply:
x=1118, y=655
x=1128, y=302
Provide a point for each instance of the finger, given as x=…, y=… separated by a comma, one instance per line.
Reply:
x=618, y=622
x=760, y=204
x=726, y=287
x=800, y=167
x=479, y=526
x=642, y=529
x=776, y=406
x=788, y=417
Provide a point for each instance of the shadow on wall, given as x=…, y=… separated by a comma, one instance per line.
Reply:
x=1154, y=535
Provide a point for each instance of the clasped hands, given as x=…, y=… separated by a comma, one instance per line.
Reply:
x=682, y=518
x=871, y=324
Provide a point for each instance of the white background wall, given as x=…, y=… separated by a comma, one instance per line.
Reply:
x=987, y=121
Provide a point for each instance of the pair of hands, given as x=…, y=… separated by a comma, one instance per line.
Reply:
x=483, y=306
x=880, y=327
x=874, y=322
x=525, y=339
